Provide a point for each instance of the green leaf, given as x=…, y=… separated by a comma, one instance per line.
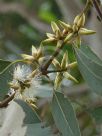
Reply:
x=3, y=64
x=31, y=115
x=6, y=68
x=5, y=76
x=90, y=67
x=37, y=130
x=64, y=115
x=19, y=119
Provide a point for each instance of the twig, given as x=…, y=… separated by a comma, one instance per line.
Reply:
x=5, y=102
x=72, y=65
x=87, y=6
x=45, y=67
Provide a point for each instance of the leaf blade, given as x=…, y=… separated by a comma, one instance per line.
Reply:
x=64, y=116
x=90, y=67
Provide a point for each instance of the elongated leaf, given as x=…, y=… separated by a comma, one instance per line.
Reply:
x=64, y=116
x=20, y=119
x=31, y=115
x=90, y=67
x=6, y=68
x=3, y=64
x=5, y=77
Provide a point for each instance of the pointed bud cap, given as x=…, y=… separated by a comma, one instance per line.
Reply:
x=70, y=77
x=27, y=57
x=56, y=64
x=50, y=35
x=34, y=51
x=84, y=31
x=64, y=62
x=49, y=40
x=40, y=51
x=80, y=20
x=65, y=26
x=59, y=43
x=58, y=34
x=68, y=37
x=54, y=27
x=58, y=80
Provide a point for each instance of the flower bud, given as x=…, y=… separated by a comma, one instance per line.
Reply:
x=54, y=27
x=65, y=26
x=64, y=60
x=50, y=35
x=84, y=31
x=70, y=77
x=34, y=51
x=27, y=57
x=58, y=80
x=49, y=40
x=68, y=37
x=40, y=52
x=80, y=20
x=58, y=34
x=59, y=43
x=56, y=64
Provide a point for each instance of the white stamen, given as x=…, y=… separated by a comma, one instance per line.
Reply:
x=32, y=91
x=21, y=72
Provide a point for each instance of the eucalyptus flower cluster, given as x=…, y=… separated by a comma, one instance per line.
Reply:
x=27, y=78
x=69, y=33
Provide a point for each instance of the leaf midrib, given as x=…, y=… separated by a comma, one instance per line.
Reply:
x=88, y=68
x=63, y=114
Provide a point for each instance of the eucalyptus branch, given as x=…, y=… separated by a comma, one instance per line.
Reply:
x=5, y=102
x=60, y=46
x=55, y=71
x=25, y=78
x=45, y=67
x=72, y=65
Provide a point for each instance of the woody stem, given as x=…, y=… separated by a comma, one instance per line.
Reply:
x=57, y=51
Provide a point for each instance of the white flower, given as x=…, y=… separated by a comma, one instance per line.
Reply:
x=32, y=91
x=21, y=73
x=37, y=89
